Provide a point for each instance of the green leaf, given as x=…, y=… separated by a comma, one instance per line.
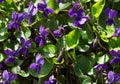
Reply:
x=110, y=30
x=27, y=33
x=72, y=39
x=1, y=57
x=86, y=79
x=114, y=43
x=16, y=69
x=46, y=68
x=97, y=8
x=84, y=65
x=102, y=59
x=64, y=5
x=3, y=34
x=23, y=73
x=52, y=4
x=9, y=1
x=49, y=51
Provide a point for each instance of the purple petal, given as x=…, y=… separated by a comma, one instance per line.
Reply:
x=72, y=12
x=2, y=1
x=113, y=53
x=22, y=16
x=115, y=61
x=43, y=32
x=14, y=15
x=16, y=25
x=33, y=66
x=101, y=67
x=10, y=60
x=1, y=66
x=42, y=42
x=50, y=10
x=110, y=21
x=47, y=11
x=5, y=75
x=39, y=59
x=30, y=8
x=8, y=52
x=41, y=6
x=30, y=20
x=111, y=13
x=28, y=43
x=46, y=82
x=25, y=52
x=111, y=75
x=38, y=69
x=34, y=11
x=22, y=40
x=10, y=25
x=37, y=39
x=12, y=76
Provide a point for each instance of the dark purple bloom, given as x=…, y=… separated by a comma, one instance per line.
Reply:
x=59, y=1
x=8, y=77
x=80, y=21
x=25, y=46
x=59, y=32
x=100, y=68
x=17, y=18
x=77, y=12
x=115, y=53
x=113, y=78
x=52, y=80
x=111, y=14
x=43, y=7
x=2, y=1
x=116, y=57
x=1, y=66
x=12, y=54
x=60, y=55
x=38, y=64
x=115, y=61
x=32, y=10
x=43, y=36
x=117, y=32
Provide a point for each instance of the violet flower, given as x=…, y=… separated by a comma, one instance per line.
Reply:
x=43, y=36
x=111, y=14
x=25, y=46
x=17, y=18
x=32, y=10
x=116, y=57
x=38, y=64
x=43, y=7
x=117, y=32
x=100, y=68
x=2, y=1
x=59, y=32
x=12, y=54
x=1, y=66
x=77, y=12
x=8, y=77
x=80, y=21
x=52, y=80
x=113, y=78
